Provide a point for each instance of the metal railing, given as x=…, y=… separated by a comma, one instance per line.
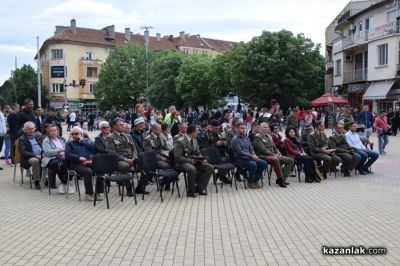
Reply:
x=367, y=35
x=356, y=75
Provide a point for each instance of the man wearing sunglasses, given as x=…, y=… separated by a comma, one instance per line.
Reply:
x=79, y=152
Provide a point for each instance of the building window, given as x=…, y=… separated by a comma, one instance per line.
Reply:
x=88, y=56
x=91, y=89
x=382, y=54
x=57, y=88
x=360, y=28
x=195, y=51
x=91, y=72
x=391, y=16
x=186, y=50
x=338, y=67
x=57, y=54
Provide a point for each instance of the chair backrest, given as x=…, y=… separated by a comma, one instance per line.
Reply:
x=213, y=155
x=148, y=161
x=105, y=163
x=17, y=154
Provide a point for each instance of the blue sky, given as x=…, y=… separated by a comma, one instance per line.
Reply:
x=237, y=20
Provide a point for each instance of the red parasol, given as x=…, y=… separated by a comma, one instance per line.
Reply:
x=328, y=99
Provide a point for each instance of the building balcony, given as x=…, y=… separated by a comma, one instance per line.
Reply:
x=365, y=36
x=355, y=76
x=90, y=62
x=329, y=65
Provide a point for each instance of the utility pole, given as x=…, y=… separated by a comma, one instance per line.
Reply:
x=146, y=43
x=38, y=75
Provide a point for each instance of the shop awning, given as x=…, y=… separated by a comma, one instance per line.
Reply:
x=378, y=90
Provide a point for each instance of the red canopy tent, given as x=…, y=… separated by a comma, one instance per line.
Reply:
x=328, y=99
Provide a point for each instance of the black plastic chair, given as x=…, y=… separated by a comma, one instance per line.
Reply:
x=239, y=168
x=149, y=165
x=104, y=167
x=214, y=158
x=72, y=174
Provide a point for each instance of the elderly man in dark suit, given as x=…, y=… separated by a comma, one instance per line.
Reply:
x=198, y=170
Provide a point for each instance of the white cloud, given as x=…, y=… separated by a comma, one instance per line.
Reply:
x=17, y=49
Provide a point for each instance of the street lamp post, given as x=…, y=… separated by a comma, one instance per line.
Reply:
x=38, y=74
x=146, y=44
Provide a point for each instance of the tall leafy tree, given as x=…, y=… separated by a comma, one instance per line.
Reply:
x=194, y=81
x=278, y=65
x=21, y=85
x=164, y=72
x=122, y=79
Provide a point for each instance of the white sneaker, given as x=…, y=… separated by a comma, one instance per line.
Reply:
x=100, y=197
x=89, y=197
x=71, y=189
x=61, y=189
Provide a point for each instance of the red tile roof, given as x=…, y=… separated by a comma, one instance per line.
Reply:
x=99, y=37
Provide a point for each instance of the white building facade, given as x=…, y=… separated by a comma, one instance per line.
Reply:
x=366, y=56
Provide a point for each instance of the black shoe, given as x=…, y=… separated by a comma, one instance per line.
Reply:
x=37, y=185
x=191, y=195
x=202, y=192
x=282, y=184
x=367, y=170
x=151, y=181
x=167, y=187
x=141, y=191
x=362, y=172
x=46, y=183
x=238, y=177
x=346, y=173
x=129, y=194
x=225, y=179
x=309, y=181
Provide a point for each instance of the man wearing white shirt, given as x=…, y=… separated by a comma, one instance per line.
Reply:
x=368, y=157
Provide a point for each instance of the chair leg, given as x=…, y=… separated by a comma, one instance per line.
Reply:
x=184, y=177
x=77, y=189
x=22, y=175
x=173, y=188
x=234, y=177
x=122, y=194
x=105, y=192
x=269, y=176
x=133, y=188
x=69, y=176
x=15, y=171
x=215, y=182
x=177, y=189
x=161, y=190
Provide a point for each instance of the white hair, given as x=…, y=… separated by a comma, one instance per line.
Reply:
x=104, y=124
x=77, y=129
x=27, y=124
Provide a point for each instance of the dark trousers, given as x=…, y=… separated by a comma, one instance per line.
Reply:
x=309, y=166
x=255, y=168
x=57, y=167
x=87, y=174
x=197, y=176
x=395, y=127
x=329, y=161
x=350, y=160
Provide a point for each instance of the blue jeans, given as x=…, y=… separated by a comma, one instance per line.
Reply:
x=255, y=168
x=383, y=141
x=367, y=158
x=7, y=146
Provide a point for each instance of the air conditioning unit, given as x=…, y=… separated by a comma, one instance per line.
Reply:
x=80, y=105
x=352, y=27
x=348, y=58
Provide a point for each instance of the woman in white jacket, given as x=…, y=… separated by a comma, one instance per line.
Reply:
x=54, y=159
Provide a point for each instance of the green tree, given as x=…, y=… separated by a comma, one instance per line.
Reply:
x=194, y=83
x=122, y=79
x=278, y=65
x=22, y=85
x=164, y=72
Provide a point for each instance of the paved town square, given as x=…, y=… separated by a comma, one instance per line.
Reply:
x=269, y=226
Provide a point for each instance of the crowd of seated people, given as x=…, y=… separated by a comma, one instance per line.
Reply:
x=317, y=153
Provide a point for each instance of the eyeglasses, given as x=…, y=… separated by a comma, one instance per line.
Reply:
x=75, y=133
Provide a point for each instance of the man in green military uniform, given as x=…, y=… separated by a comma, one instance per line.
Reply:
x=318, y=148
x=198, y=170
x=266, y=150
x=347, y=117
x=123, y=146
x=292, y=121
x=154, y=142
x=182, y=130
x=349, y=158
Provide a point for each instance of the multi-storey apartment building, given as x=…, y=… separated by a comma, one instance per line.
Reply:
x=74, y=55
x=365, y=55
